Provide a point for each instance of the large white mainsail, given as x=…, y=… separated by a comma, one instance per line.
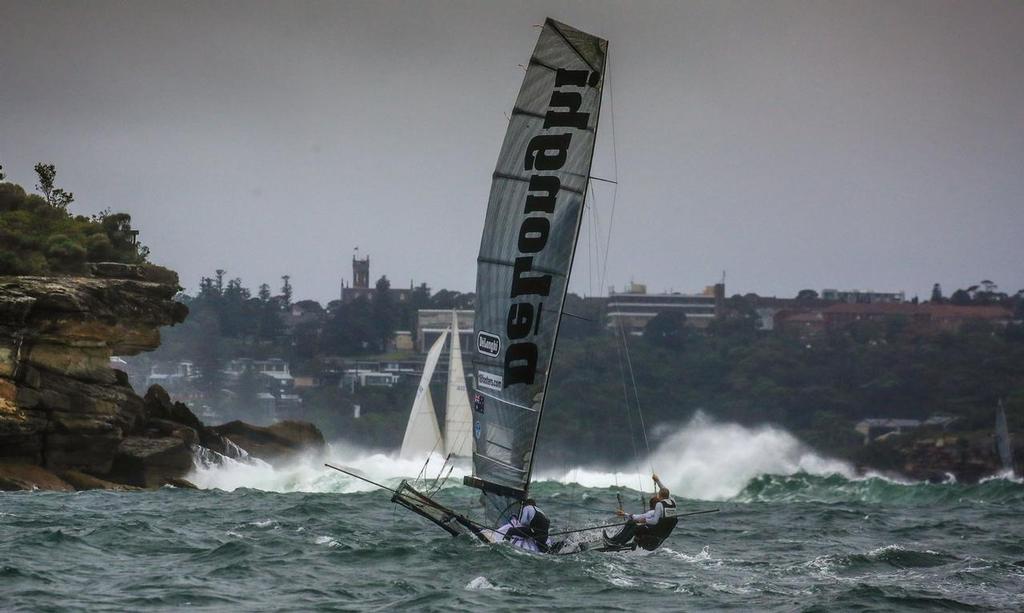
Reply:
x=529, y=238
x=458, y=419
x=422, y=434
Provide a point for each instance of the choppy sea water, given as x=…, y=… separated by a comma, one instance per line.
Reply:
x=323, y=541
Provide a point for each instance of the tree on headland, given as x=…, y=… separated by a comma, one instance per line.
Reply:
x=667, y=329
x=55, y=196
x=39, y=236
x=349, y=329
x=806, y=295
x=286, y=290
x=937, y=294
x=960, y=297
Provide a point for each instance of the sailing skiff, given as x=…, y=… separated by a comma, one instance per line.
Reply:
x=529, y=238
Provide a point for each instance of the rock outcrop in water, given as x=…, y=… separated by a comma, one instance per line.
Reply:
x=63, y=409
x=275, y=442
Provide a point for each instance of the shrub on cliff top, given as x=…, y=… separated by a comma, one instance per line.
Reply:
x=38, y=235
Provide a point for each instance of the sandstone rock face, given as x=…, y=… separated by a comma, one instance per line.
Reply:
x=151, y=462
x=274, y=443
x=62, y=406
x=65, y=411
x=81, y=482
x=18, y=476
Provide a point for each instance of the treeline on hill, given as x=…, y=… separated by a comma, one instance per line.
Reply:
x=39, y=235
x=818, y=390
x=227, y=321
x=731, y=371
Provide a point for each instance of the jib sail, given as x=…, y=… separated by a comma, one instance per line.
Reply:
x=422, y=434
x=533, y=218
x=1003, y=438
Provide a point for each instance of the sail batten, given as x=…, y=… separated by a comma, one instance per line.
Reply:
x=530, y=232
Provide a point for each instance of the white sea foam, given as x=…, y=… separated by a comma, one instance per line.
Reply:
x=704, y=460
x=1006, y=475
x=307, y=473
x=481, y=583
x=326, y=540
x=707, y=460
x=703, y=556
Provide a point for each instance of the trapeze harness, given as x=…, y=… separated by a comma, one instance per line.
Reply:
x=651, y=537
x=537, y=529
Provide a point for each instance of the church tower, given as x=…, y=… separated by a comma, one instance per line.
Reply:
x=360, y=272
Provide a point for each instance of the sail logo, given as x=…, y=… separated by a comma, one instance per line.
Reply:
x=489, y=380
x=546, y=153
x=488, y=344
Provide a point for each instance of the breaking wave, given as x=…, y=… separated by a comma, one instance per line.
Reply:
x=702, y=460
x=707, y=460
x=307, y=473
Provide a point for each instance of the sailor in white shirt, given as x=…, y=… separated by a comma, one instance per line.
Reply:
x=529, y=530
x=651, y=528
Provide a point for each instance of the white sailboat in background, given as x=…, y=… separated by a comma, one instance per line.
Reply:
x=422, y=433
x=1003, y=440
x=458, y=418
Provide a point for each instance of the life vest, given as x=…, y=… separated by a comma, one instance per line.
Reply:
x=667, y=524
x=539, y=526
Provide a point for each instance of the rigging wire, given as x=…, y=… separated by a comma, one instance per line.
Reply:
x=624, y=347
x=629, y=418
x=636, y=393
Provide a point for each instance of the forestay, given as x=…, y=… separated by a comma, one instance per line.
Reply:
x=533, y=217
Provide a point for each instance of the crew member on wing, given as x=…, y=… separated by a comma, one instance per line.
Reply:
x=651, y=528
x=530, y=529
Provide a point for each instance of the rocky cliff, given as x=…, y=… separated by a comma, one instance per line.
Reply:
x=63, y=410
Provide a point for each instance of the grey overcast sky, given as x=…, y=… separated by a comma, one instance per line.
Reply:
x=853, y=144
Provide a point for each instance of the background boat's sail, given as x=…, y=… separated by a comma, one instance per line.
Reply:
x=422, y=434
x=1003, y=439
x=533, y=216
x=458, y=418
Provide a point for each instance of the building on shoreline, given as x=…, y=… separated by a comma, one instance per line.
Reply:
x=862, y=296
x=633, y=308
x=431, y=323
x=924, y=318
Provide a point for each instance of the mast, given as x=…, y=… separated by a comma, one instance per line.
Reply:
x=526, y=251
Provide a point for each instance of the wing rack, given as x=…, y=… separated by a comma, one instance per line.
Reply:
x=424, y=506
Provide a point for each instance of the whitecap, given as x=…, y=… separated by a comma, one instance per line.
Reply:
x=880, y=551
x=481, y=583
x=326, y=540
